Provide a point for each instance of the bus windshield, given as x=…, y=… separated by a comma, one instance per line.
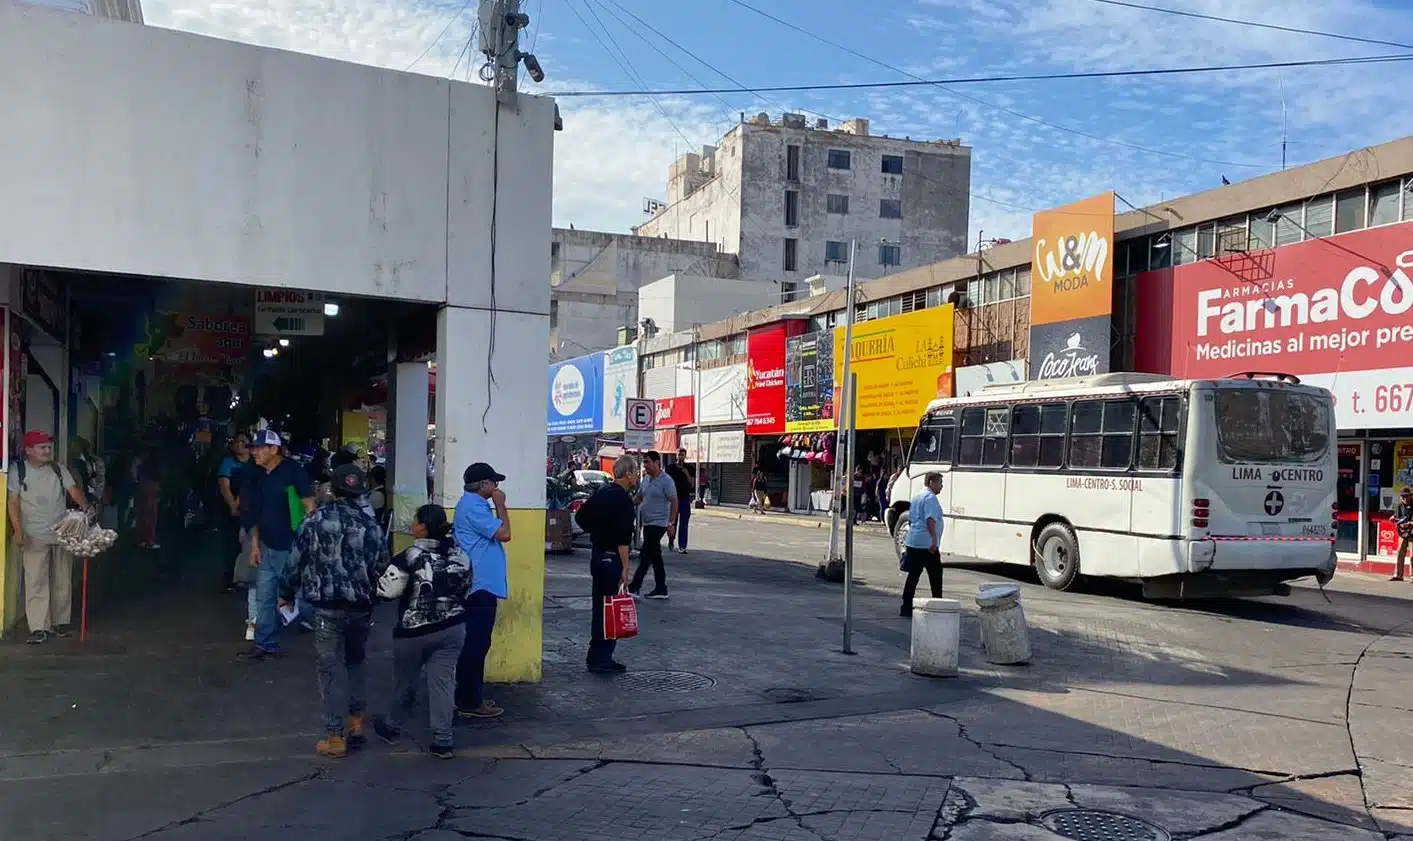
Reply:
x=1271, y=426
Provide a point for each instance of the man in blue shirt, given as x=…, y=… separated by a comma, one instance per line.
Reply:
x=922, y=544
x=267, y=513
x=481, y=527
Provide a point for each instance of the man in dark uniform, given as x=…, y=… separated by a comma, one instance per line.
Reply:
x=609, y=516
x=684, y=476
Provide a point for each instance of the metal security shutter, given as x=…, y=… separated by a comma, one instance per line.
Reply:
x=736, y=483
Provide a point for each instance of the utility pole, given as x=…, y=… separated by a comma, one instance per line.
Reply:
x=844, y=444
x=500, y=23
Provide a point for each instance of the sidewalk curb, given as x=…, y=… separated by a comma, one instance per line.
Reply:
x=781, y=519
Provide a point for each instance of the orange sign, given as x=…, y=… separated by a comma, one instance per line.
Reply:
x=1072, y=266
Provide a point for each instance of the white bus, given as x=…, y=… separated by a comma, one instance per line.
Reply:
x=1192, y=487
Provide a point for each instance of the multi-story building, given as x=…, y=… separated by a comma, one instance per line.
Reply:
x=595, y=278
x=788, y=198
x=128, y=10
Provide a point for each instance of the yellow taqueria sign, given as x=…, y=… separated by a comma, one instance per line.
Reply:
x=903, y=363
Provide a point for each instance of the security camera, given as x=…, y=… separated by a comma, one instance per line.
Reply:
x=532, y=66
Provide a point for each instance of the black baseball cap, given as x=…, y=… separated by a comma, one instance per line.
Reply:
x=349, y=481
x=481, y=472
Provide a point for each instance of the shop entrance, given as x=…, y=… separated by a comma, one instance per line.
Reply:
x=1372, y=472
x=1349, y=534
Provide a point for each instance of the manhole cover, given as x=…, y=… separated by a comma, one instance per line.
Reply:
x=1097, y=825
x=664, y=682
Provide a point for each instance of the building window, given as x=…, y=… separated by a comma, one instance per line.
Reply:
x=892, y=164
x=1319, y=217
x=1206, y=240
x=890, y=255
x=1288, y=224
x=834, y=203
x=1160, y=252
x=1349, y=210
x=1185, y=247
x=839, y=159
x=792, y=208
x=1023, y=282
x=791, y=251
x=1008, y=285
x=554, y=314
x=1262, y=232
x=792, y=163
x=1408, y=199
x=1231, y=236
x=836, y=252
x=890, y=208
x=1383, y=203
x=934, y=297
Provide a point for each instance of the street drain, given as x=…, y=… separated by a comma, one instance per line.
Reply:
x=663, y=681
x=1098, y=825
x=791, y=695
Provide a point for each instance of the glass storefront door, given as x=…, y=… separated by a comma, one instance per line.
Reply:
x=1350, y=495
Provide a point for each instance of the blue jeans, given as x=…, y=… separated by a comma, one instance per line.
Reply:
x=471, y=664
x=340, y=650
x=267, y=614
x=684, y=516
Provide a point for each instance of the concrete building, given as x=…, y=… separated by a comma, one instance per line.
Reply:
x=679, y=301
x=125, y=10
x=788, y=197
x=152, y=156
x=595, y=278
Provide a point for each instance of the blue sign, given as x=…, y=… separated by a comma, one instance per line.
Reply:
x=576, y=396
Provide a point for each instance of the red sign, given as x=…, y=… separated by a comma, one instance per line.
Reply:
x=1337, y=311
x=192, y=338
x=676, y=411
x=765, y=380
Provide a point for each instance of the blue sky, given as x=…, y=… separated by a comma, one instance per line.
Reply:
x=615, y=152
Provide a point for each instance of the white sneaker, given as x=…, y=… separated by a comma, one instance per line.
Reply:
x=249, y=631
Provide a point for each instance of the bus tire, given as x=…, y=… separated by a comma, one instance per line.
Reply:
x=1057, y=556
x=900, y=533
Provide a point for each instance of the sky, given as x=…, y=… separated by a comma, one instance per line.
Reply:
x=1035, y=144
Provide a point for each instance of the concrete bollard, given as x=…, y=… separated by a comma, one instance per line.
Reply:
x=937, y=631
x=1004, y=633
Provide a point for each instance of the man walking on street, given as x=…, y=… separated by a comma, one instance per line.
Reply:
x=922, y=545
x=40, y=489
x=1403, y=521
x=336, y=557
x=657, y=509
x=684, y=477
x=608, y=516
x=481, y=526
x=275, y=489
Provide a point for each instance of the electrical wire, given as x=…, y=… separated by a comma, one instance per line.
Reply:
x=438, y=39
x=626, y=67
x=1295, y=30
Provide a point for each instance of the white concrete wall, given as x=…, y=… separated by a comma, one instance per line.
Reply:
x=678, y=302
x=182, y=156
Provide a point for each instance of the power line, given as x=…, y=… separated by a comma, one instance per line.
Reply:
x=983, y=102
x=438, y=39
x=1031, y=77
x=626, y=67
x=1295, y=30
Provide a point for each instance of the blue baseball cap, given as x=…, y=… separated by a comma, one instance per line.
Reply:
x=267, y=438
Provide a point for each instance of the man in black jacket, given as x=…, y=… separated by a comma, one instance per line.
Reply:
x=1403, y=520
x=684, y=476
x=608, y=516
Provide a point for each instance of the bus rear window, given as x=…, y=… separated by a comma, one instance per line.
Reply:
x=1260, y=425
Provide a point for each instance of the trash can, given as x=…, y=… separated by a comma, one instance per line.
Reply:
x=936, y=637
x=1004, y=633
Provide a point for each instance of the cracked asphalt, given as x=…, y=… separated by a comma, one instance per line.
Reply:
x=742, y=721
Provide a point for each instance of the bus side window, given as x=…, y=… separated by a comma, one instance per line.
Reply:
x=1158, y=425
x=1119, y=419
x=1025, y=436
x=970, y=436
x=946, y=438
x=935, y=440
x=993, y=449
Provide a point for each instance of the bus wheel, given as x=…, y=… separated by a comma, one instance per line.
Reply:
x=900, y=534
x=1057, y=556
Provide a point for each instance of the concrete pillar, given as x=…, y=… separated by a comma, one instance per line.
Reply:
x=407, y=424
x=492, y=382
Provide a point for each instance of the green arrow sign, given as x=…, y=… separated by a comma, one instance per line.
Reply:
x=285, y=324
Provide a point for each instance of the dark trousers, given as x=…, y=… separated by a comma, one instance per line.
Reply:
x=606, y=568
x=340, y=650
x=919, y=560
x=471, y=666
x=1404, y=543
x=650, y=555
x=684, y=516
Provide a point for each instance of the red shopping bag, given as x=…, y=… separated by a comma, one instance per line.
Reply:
x=620, y=617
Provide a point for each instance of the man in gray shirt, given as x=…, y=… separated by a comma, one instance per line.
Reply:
x=40, y=489
x=657, y=510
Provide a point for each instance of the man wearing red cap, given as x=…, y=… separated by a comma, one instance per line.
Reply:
x=38, y=487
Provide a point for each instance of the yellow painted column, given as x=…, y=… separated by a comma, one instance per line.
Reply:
x=519, y=636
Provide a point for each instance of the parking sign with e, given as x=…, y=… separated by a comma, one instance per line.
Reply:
x=640, y=422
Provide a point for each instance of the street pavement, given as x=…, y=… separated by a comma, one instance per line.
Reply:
x=742, y=719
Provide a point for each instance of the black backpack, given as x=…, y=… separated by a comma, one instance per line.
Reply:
x=21, y=466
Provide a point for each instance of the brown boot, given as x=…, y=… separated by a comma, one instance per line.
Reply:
x=333, y=747
x=356, y=726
